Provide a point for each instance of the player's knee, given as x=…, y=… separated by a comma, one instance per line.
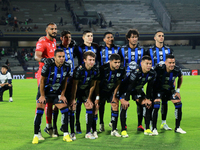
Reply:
x=157, y=100
x=178, y=105
x=115, y=106
x=88, y=105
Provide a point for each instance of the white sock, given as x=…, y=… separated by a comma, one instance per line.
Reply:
x=163, y=121
x=35, y=135
x=65, y=133
x=49, y=125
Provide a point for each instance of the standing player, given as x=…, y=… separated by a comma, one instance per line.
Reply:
x=133, y=85
x=158, y=54
x=45, y=49
x=79, y=51
x=132, y=54
x=5, y=82
x=84, y=81
x=68, y=47
x=53, y=83
x=164, y=89
x=110, y=78
x=105, y=52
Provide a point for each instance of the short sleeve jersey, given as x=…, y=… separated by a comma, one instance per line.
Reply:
x=85, y=76
x=47, y=47
x=158, y=54
x=137, y=79
x=79, y=50
x=105, y=52
x=69, y=56
x=165, y=80
x=55, y=76
x=5, y=77
x=131, y=57
x=108, y=78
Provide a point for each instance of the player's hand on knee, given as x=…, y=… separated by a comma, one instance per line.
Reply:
x=147, y=103
x=89, y=103
x=42, y=99
x=125, y=104
x=63, y=98
x=177, y=95
x=73, y=105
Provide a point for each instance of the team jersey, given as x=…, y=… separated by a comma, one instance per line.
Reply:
x=105, y=52
x=5, y=78
x=108, y=78
x=136, y=80
x=79, y=50
x=158, y=54
x=165, y=80
x=47, y=47
x=85, y=76
x=69, y=56
x=55, y=76
x=131, y=57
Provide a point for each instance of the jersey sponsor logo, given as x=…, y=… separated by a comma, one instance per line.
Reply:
x=38, y=46
x=166, y=52
x=160, y=52
x=132, y=53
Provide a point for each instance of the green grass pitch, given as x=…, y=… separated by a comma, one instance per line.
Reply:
x=17, y=118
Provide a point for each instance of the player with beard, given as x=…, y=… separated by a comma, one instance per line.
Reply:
x=132, y=54
x=45, y=49
x=111, y=75
x=158, y=54
x=87, y=45
x=53, y=83
x=105, y=52
x=164, y=89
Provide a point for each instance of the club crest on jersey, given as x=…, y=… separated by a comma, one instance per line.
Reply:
x=80, y=66
x=118, y=74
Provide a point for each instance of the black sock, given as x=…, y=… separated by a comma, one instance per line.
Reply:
x=72, y=121
x=164, y=109
x=55, y=118
x=101, y=112
x=123, y=119
x=78, y=111
x=38, y=119
x=114, y=120
x=178, y=113
x=139, y=113
x=94, y=123
x=156, y=107
x=64, y=118
x=89, y=119
x=10, y=91
x=147, y=117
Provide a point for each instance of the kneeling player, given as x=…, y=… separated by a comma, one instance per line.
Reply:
x=84, y=81
x=132, y=85
x=53, y=83
x=110, y=78
x=164, y=89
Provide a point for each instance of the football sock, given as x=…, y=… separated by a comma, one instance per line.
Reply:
x=71, y=121
x=147, y=117
x=164, y=109
x=114, y=120
x=123, y=118
x=101, y=112
x=89, y=119
x=64, y=119
x=48, y=112
x=78, y=111
x=94, y=123
x=38, y=119
x=156, y=107
x=55, y=118
x=178, y=113
x=139, y=113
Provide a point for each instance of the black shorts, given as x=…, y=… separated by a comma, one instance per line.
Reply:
x=50, y=98
x=106, y=96
x=165, y=95
x=68, y=92
x=138, y=95
x=82, y=95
